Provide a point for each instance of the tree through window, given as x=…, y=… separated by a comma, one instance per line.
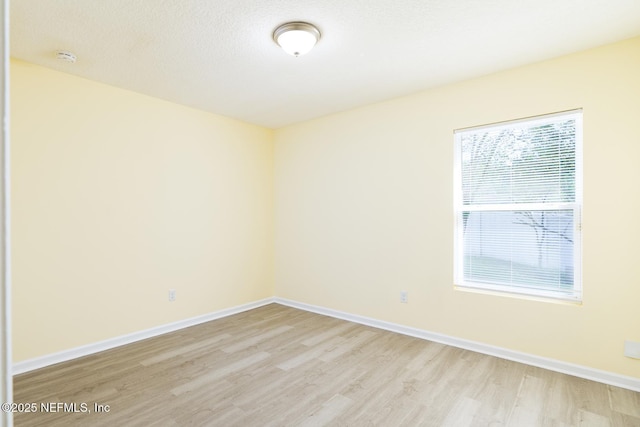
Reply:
x=518, y=201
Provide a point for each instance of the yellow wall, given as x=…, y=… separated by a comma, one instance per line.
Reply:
x=118, y=197
x=364, y=209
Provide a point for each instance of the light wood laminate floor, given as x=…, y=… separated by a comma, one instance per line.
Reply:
x=279, y=366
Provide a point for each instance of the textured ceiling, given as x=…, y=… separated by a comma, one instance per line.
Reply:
x=218, y=55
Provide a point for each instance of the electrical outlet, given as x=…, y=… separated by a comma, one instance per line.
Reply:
x=404, y=297
x=172, y=295
x=632, y=349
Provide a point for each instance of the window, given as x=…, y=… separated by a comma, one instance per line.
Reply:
x=518, y=206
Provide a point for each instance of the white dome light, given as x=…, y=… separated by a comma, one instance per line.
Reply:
x=296, y=38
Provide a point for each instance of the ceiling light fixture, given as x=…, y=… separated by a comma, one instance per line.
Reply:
x=296, y=38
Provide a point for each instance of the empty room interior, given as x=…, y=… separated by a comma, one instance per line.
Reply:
x=208, y=230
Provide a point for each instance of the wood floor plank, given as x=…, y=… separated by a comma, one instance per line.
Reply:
x=173, y=352
x=256, y=339
x=278, y=366
x=463, y=413
x=592, y=420
x=211, y=377
x=625, y=401
x=329, y=411
x=528, y=409
x=311, y=353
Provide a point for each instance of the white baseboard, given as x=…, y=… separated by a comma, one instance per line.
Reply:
x=605, y=377
x=85, y=350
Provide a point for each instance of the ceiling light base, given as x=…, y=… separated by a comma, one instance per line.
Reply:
x=296, y=38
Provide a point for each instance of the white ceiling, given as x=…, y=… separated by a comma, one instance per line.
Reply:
x=218, y=55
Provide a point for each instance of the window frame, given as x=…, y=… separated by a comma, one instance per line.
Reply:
x=575, y=295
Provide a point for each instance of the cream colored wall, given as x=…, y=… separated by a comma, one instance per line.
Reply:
x=364, y=209
x=118, y=197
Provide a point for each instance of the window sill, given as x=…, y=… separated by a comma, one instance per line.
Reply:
x=520, y=295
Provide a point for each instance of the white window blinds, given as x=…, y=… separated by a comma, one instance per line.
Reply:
x=518, y=202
